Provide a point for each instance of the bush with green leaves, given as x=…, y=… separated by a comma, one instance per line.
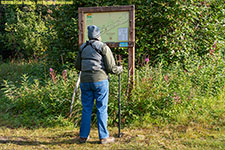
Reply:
x=176, y=95
x=12, y=71
x=26, y=34
x=44, y=102
x=161, y=95
x=173, y=30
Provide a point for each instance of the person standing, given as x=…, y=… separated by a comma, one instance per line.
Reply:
x=95, y=61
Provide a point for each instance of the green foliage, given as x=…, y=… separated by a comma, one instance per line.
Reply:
x=175, y=30
x=43, y=103
x=26, y=33
x=14, y=70
x=62, y=22
x=172, y=30
x=180, y=96
x=161, y=95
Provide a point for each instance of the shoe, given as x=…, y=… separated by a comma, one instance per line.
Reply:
x=107, y=140
x=83, y=140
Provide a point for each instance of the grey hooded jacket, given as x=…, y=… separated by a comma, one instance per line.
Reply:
x=96, y=65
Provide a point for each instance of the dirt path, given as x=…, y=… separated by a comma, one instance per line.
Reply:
x=172, y=138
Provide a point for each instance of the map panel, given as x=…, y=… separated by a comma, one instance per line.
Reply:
x=114, y=26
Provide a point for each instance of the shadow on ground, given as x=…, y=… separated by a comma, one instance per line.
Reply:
x=24, y=141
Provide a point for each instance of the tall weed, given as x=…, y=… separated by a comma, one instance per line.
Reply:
x=42, y=102
x=180, y=94
x=12, y=71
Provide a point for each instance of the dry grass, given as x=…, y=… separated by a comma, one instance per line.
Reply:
x=192, y=137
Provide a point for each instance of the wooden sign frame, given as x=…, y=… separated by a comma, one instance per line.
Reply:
x=131, y=36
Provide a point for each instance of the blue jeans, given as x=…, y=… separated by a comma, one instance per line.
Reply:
x=89, y=92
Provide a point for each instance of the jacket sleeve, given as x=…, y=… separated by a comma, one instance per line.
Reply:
x=78, y=61
x=109, y=61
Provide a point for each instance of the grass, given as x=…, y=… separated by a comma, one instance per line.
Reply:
x=13, y=70
x=191, y=137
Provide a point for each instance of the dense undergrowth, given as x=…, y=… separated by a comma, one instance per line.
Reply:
x=163, y=94
x=170, y=29
x=176, y=95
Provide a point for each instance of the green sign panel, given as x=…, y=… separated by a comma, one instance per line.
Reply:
x=114, y=26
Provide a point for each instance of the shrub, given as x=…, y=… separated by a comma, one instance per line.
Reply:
x=15, y=69
x=26, y=33
x=161, y=95
x=169, y=94
x=42, y=102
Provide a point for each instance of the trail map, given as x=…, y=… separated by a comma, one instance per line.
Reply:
x=114, y=26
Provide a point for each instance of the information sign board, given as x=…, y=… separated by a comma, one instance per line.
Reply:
x=113, y=25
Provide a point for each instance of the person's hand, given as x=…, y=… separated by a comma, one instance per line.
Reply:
x=120, y=68
x=117, y=69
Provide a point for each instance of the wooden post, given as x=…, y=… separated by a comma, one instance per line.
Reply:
x=131, y=50
x=131, y=66
x=80, y=25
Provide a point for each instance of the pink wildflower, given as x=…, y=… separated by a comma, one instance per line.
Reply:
x=166, y=77
x=64, y=73
x=53, y=75
x=176, y=98
x=150, y=79
x=146, y=60
x=212, y=50
x=49, y=11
